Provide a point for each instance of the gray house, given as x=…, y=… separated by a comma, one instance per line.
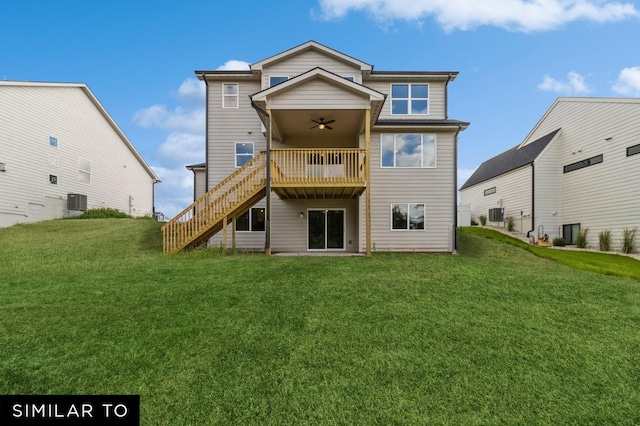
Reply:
x=313, y=150
x=577, y=169
x=61, y=153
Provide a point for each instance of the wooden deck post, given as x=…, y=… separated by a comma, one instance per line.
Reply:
x=367, y=176
x=233, y=233
x=224, y=232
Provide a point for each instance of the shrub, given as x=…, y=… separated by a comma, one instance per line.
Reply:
x=511, y=224
x=474, y=222
x=483, y=220
x=102, y=213
x=581, y=240
x=604, y=238
x=559, y=242
x=628, y=243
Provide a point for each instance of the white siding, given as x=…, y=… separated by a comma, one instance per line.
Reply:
x=29, y=115
x=513, y=193
x=548, y=174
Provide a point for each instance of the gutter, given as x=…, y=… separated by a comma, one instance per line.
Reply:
x=267, y=234
x=456, y=240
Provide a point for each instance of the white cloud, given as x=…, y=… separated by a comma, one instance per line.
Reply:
x=628, y=82
x=184, y=143
x=192, y=90
x=180, y=118
x=575, y=84
x=175, y=192
x=183, y=148
x=234, y=65
x=517, y=15
x=464, y=175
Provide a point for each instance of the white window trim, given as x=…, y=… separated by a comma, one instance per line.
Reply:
x=391, y=99
x=275, y=76
x=250, y=222
x=422, y=166
x=235, y=152
x=237, y=95
x=408, y=229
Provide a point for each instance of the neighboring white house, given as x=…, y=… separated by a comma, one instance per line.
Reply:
x=360, y=159
x=61, y=153
x=578, y=168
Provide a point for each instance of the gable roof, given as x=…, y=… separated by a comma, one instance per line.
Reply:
x=319, y=72
x=312, y=45
x=512, y=159
x=100, y=108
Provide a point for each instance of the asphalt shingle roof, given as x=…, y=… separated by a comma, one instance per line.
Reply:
x=509, y=160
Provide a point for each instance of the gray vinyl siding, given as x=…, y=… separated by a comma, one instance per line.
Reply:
x=317, y=94
x=289, y=231
x=29, y=115
x=436, y=99
x=228, y=126
x=305, y=61
x=432, y=186
x=199, y=183
x=513, y=193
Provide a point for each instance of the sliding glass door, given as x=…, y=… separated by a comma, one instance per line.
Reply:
x=326, y=229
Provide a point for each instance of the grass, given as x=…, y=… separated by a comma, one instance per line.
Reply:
x=492, y=336
x=602, y=263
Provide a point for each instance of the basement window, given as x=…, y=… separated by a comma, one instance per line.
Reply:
x=252, y=220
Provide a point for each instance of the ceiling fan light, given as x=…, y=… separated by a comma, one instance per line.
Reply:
x=321, y=126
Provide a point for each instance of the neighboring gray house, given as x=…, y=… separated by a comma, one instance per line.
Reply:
x=361, y=160
x=61, y=153
x=578, y=168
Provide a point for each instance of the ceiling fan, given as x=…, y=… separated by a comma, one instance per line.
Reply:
x=322, y=124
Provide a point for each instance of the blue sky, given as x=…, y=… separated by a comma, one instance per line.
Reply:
x=515, y=57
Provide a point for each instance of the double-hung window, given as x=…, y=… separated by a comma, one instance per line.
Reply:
x=84, y=171
x=408, y=150
x=277, y=79
x=407, y=216
x=409, y=99
x=244, y=153
x=251, y=221
x=230, y=95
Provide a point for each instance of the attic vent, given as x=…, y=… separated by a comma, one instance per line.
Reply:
x=496, y=214
x=77, y=202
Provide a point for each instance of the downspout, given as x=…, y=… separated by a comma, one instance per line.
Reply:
x=267, y=234
x=456, y=238
x=533, y=202
x=206, y=140
x=446, y=99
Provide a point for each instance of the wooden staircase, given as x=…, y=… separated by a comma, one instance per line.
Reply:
x=209, y=213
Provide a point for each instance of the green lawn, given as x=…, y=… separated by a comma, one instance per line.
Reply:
x=494, y=335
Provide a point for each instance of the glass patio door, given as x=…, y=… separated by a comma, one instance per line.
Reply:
x=325, y=229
